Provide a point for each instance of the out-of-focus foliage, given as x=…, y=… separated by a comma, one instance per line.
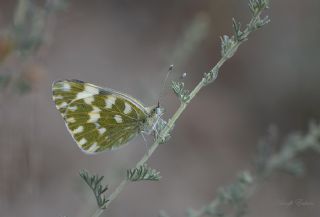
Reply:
x=233, y=199
x=6, y=47
x=22, y=40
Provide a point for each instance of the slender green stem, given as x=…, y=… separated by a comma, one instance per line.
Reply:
x=117, y=191
x=170, y=125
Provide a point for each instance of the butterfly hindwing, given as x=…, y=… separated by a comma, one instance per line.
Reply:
x=97, y=118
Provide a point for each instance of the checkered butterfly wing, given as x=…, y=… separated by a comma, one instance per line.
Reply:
x=98, y=119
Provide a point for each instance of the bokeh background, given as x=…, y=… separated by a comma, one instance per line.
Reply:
x=128, y=46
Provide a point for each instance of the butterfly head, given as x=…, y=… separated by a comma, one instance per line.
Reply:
x=156, y=111
x=154, y=122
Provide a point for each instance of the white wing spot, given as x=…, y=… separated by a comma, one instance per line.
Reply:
x=110, y=101
x=57, y=97
x=118, y=118
x=83, y=94
x=93, y=117
x=82, y=142
x=95, y=109
x=102, y=130
x=71, y=120
x=93, y=147
x=78, y=130
x=127, y=108
x=89, y=100
x=87, y=92
x=62, y=105
x=90, y=89
x=66, y=87
x=72, y=108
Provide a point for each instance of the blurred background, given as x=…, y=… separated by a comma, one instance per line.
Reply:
x=128, y=46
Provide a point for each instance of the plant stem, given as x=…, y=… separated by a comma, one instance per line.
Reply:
x=170, y=125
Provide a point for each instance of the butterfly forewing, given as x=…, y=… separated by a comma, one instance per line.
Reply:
x=97, y=118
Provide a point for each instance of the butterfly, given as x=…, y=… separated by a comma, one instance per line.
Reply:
x=99, y=118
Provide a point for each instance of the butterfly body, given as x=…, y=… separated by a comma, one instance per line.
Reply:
x=100, y=118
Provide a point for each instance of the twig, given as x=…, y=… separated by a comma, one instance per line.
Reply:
x=229, y=47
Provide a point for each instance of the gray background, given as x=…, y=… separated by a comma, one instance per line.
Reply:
x=128, y=46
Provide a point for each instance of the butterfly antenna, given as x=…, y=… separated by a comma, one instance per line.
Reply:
x=164, y=83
